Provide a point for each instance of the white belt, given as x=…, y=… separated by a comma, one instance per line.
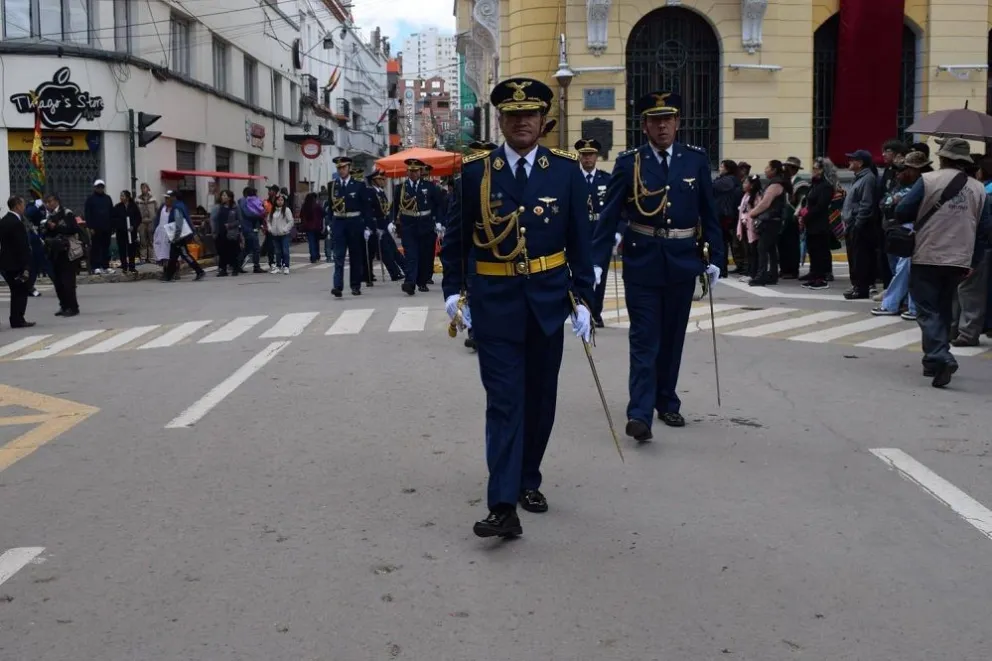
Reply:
x=663, y=232
x=348, y=214
x=416, y=214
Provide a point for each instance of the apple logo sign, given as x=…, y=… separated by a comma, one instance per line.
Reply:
x=62, y=103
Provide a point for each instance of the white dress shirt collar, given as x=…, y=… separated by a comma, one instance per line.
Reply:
x=669, y=152
x=512, y=157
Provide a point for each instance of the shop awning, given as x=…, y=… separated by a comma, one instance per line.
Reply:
x=180, y=174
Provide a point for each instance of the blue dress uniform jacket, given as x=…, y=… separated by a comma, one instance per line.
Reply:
x=518, y=319
x=416, y=208
x=597, y=196
x=555, y=219
x=380, y=214
x=659, y=269
x=350, y=217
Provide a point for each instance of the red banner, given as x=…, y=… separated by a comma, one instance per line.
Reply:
x=867, y=87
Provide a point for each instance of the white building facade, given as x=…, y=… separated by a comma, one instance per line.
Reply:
x=429, y=54
x=226, y=77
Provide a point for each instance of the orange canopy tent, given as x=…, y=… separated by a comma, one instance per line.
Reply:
x=444, y=162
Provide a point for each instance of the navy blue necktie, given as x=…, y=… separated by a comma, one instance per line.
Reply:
x=521, y=175
x=664, y=165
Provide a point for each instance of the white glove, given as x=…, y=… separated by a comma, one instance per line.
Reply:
x=38, y=204
x=467, y=317
x=619, y=238
x=378, y=233
x=451, y=305
x=391, y=228
x=713, y=271
x=597, y=272
x=439, y=228
x=368, y=233
x=581, y=323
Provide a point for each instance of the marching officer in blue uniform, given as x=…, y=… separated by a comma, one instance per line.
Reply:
x=666, y=191
x=350, y=226
x=524, y=219
x=379, y=207
x=596, y=181
x=418, y=212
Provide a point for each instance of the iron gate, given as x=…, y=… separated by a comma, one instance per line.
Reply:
x=673, y=49
x=824, y=80
x=70, y=175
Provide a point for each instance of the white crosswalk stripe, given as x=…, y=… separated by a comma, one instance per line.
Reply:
x=776, y=323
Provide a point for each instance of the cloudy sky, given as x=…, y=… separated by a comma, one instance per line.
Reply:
x=399, y=18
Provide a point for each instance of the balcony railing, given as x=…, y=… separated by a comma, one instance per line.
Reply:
x=366, y=143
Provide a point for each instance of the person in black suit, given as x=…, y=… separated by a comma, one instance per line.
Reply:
x=60, y=228
x=15, y=260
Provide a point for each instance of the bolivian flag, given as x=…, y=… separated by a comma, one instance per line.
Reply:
x=36, y=174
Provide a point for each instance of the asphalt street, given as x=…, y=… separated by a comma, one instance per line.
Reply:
x=247, y=469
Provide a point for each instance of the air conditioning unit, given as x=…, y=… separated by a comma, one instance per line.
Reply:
x=310, y=86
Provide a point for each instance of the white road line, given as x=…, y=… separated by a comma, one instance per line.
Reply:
x=896, y=340
x=409, y=320
x=790, y=324
x=704, y=310
x=13, y=560
x=233, y=329
x=205, y=404
x=963, y=505
x=350, y=322
x=177, y=334
x=290, y=325
x=743, y=317
x=323, y=266
x=828, y=334
x=23, y=343
x=62, y=345
x=119, y=340
x=968, y=351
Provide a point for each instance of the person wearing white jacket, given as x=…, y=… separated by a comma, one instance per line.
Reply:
x=280, y=224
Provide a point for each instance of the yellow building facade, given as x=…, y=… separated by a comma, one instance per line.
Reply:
x=756, y=75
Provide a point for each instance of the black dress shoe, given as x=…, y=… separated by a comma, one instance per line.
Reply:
x=336, y=292
x=356, y=292
x=534, y=501
x=408, y=288
x=430, y=281
x=931, y=372
x=672, y=419
x=70, y=313
x=599, y=322
x=504, y=523
x=470, y=343
x=60, y=313
x=639, y=431
x=423, y=288
x=22, y=324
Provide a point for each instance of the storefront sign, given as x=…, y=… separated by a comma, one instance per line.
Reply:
x=254, y=134
x=599, y=98
x=21, y=140
x=63, y=104
x=310, y=148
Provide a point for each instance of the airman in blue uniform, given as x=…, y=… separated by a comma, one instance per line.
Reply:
x=524, y=219
x=596, y=181
x=350, y=226
x=417, y=212
x=379, y=207
x=666, y=190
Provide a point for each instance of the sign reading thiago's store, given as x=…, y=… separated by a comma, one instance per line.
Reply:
x=63, y=104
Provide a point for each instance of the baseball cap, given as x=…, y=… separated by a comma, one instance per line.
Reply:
x=169, y=193
x=99, y=182
x=862, y=155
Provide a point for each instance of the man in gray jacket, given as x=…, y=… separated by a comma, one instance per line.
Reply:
x=945, y=250
x=861, y=225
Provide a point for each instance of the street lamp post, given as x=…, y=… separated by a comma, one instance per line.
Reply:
x=564, y=77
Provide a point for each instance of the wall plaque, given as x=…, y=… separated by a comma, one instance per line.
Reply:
x=600, y=130
x=751, y=129
x=599, y=98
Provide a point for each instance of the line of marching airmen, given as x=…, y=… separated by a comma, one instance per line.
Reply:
x=528, y=243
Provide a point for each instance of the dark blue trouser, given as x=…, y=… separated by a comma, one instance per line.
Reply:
x=600, y=292
x=418, y=243
x=349, y=235
x=328, y=241
x=251, y=247
x=389, y=254
x=313, y=242
x=658, y=317
x=521, y=382
x=932, y=289
x=39, y=261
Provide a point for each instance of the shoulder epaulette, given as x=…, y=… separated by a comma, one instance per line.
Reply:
x=475, y=157
x=565, y=154
x=695, y=148
x=629, y=152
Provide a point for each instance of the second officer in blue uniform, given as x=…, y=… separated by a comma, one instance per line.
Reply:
x=417, y=212
x=666, y=191
x=349, y=227
x=523, y=216
x=596, y=181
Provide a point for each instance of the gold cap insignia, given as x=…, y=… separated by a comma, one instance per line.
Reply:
x=518, y=90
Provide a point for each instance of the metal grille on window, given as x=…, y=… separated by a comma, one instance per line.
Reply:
x=907, y=85
x=675, y=50
x=186, y=160
x=70, y=175
x=222, y=160
x=824, y=78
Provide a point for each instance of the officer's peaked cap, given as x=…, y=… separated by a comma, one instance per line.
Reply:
x=588, y=146
x=659, y=104
x=521, y=94
x=341, y=160
x=414, y=164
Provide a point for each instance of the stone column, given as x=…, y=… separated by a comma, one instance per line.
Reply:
x=535, y=25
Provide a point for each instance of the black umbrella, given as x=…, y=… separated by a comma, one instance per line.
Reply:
x=955, y=123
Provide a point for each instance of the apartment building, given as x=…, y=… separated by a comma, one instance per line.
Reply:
x=429, y=54
x=427, y=117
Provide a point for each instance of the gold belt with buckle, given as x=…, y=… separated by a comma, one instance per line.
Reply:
x=663, y=232
x=521, y=267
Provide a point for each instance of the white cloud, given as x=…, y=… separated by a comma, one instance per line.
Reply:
x=399, y=18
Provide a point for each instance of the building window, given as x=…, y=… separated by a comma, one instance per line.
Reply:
x=293, y=100
x=251, y=80
x=253, y=164
x=122, y=25
x=221, y=58
x=56, y=20
x=179, y=42
x=276, y=93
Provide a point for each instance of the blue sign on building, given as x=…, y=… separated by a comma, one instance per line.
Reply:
x=599, y=98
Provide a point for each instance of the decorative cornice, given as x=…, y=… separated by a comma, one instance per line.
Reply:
x=752, y=17
x=597, y=22
x=486, y=14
